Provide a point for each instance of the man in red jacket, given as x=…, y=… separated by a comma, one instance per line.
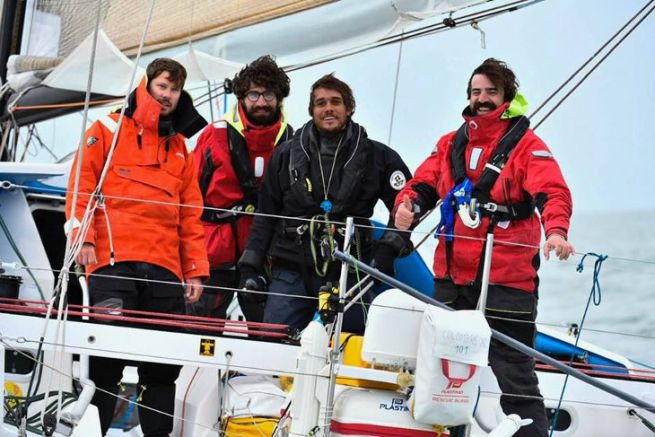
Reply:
x=492, y=175
x=231, y=157
x=140, y=241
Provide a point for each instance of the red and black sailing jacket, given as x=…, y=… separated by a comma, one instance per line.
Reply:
x=530, y=174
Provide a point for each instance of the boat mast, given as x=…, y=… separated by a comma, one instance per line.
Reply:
x=11, y=31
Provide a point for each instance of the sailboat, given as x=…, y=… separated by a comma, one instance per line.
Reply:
x=343, y=394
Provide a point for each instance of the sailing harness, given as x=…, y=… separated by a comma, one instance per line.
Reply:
x=471, y=202
x=240, y=160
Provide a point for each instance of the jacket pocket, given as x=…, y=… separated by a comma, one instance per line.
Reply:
x=151, y=177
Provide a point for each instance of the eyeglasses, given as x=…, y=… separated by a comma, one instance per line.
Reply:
x=253, y=96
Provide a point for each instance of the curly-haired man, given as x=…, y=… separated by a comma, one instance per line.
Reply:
x=232, y=156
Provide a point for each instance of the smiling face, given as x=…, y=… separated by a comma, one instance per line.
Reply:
x=166, y=92
x=485, y=95
x=329, y=110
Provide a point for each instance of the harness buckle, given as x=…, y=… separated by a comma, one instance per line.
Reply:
x=490, y=206
x=300, y=230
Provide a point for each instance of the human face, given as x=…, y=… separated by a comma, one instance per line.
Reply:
x=485, y=96
x=329, y=113
x=167, y=93
x=260, y=112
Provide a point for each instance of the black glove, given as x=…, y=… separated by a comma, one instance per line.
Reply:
x=251, y=279
x=385, y=255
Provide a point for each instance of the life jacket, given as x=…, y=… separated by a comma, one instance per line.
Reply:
x=480, y=193
x=242, y=166
x=517, y=128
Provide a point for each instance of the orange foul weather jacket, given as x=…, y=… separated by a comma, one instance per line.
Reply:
x=152, y=200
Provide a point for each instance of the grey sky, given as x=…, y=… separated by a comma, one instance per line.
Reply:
x=599, y=136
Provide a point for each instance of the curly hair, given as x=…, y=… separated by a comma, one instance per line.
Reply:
x=264, y=72
x=332, y=83
x=499, y=74
x=176, y=71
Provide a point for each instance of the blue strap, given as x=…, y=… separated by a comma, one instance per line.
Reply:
x=460, y=194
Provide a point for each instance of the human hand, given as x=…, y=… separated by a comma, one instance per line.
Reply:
x=563, y=249
x=404, y=214
x=384, y=259
x=192, y=289
x=87, y=255
x=251, y=279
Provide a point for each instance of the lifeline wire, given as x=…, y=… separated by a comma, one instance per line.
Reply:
x=63, y=279
x=43, y=364
x=595, y=296
x=237, y=290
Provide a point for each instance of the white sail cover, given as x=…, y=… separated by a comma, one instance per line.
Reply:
x=326, y=30
x=111, y=73
x=202, y=67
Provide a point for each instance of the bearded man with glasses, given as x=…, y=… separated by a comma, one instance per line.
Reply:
x=232, y=156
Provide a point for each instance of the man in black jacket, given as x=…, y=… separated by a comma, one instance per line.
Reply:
x=328, y=171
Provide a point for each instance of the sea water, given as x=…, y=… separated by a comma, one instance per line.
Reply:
x=624, y=322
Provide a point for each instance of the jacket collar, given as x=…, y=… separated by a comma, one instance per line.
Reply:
x=233, y=118
x=145, y=110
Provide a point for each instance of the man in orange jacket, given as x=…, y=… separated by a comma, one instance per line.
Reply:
x=144, y=227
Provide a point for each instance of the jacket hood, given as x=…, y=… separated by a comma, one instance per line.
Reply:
x=144, y=109
x=516, y=108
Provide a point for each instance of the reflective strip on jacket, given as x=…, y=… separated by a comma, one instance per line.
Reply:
x=531, y=171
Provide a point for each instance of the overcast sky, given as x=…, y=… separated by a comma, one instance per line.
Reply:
x=599, y=135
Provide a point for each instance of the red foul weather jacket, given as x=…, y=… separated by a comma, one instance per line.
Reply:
x=530, y=173
x=150, y=176
x=231, y=156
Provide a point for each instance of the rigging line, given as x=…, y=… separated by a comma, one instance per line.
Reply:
x=553, y=324
x=187, y=361
x=437, y=27
x=611, y=50
x=56, y=370
x=488, y=392
x=395, y=90
x=427, y=30
x=600, y=49
x=119, y=123
x=61, y=287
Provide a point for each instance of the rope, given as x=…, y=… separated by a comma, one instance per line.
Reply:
x=397, y=38
x=61, y=287
x=594, y=295
x=395, y=89
x=370, y=305
x=64, y=105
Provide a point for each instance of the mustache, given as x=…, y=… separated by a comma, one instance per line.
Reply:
x=487, y=105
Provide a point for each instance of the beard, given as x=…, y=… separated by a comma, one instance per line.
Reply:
x=263, y=115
